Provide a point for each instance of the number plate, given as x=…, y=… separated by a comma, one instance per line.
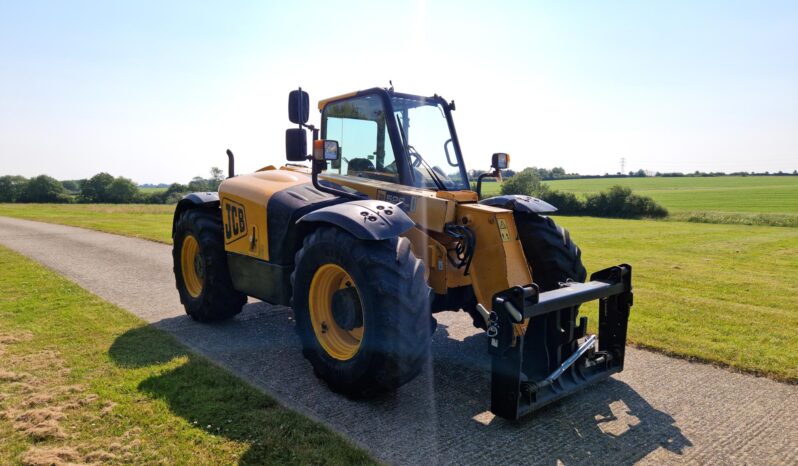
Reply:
x=404, y=201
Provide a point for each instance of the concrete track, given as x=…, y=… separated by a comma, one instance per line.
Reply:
x=659, y=410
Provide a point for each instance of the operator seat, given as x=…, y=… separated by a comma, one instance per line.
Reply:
x=358, y=165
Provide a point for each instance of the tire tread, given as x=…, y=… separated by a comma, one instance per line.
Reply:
x=395, y=279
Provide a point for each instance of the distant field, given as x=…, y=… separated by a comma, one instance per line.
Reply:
x=148, y=221
x=491, y=188
x=152, y=190
x=723, y=293
x=753, y=200
x=752, y=194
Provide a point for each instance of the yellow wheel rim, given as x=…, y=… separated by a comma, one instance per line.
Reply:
x=192, y=266
x=338, y=342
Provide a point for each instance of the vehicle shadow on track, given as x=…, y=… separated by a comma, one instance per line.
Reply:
x=607, y=423
x=441, y=417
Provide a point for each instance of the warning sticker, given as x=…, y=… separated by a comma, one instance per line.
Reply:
x=504, y=231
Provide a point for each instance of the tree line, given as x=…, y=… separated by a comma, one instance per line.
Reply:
x=101, y=188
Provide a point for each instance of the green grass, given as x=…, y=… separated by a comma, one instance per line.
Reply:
x=720, y=293
x=152, y=222
x=736, y=218
x=490, y=188
x=751, y=194
x=152, y=190
x=750, y=200
x=82, y=381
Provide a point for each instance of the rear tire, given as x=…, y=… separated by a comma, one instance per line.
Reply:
x=206, y=289
x=389, y=343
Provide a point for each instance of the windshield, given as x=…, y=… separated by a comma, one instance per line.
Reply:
x=428, y=143
x=359, y=126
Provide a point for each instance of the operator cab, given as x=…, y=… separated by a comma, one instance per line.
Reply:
x=384, y=136
x=398, y=138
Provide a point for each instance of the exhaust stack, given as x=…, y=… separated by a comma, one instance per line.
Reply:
x=231, y=164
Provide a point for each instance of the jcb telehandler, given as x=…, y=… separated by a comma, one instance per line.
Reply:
x=382, y=231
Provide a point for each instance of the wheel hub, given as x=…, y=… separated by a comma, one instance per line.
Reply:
x=199, y=266
x=346, y=309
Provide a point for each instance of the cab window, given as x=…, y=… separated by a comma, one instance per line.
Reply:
x=358, y=125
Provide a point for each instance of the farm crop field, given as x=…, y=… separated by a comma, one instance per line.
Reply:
x=725, y=293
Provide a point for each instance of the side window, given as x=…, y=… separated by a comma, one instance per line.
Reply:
x=359, y=127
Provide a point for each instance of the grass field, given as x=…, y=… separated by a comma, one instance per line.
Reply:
x=82, y=381
x=722, y=293
x=148, y=221
x=152, y=190
x=752, y=200
x=751, y=194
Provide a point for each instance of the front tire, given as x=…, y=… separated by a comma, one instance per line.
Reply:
x=202, y=276
x=362, y=311
x=553, y=257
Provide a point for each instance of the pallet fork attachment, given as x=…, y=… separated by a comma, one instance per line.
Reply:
x=554, y=357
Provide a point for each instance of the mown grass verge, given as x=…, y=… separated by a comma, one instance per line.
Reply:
x=82, y=381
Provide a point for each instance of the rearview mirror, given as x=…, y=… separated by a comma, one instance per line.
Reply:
x=325, y=150
x=296, y=145
x=298, y=107
x=500, y=161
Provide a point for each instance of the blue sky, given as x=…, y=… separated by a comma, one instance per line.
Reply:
x=156, y=91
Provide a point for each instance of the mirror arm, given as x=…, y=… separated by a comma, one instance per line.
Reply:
x=318, y=166
x=305, y=125
x=312, y=128
x=495, y=173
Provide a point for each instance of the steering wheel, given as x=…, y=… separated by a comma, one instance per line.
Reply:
x=390, y=168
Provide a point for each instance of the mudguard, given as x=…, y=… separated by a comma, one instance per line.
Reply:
x=366, y=219
x=190, y=201
x=520, y=203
